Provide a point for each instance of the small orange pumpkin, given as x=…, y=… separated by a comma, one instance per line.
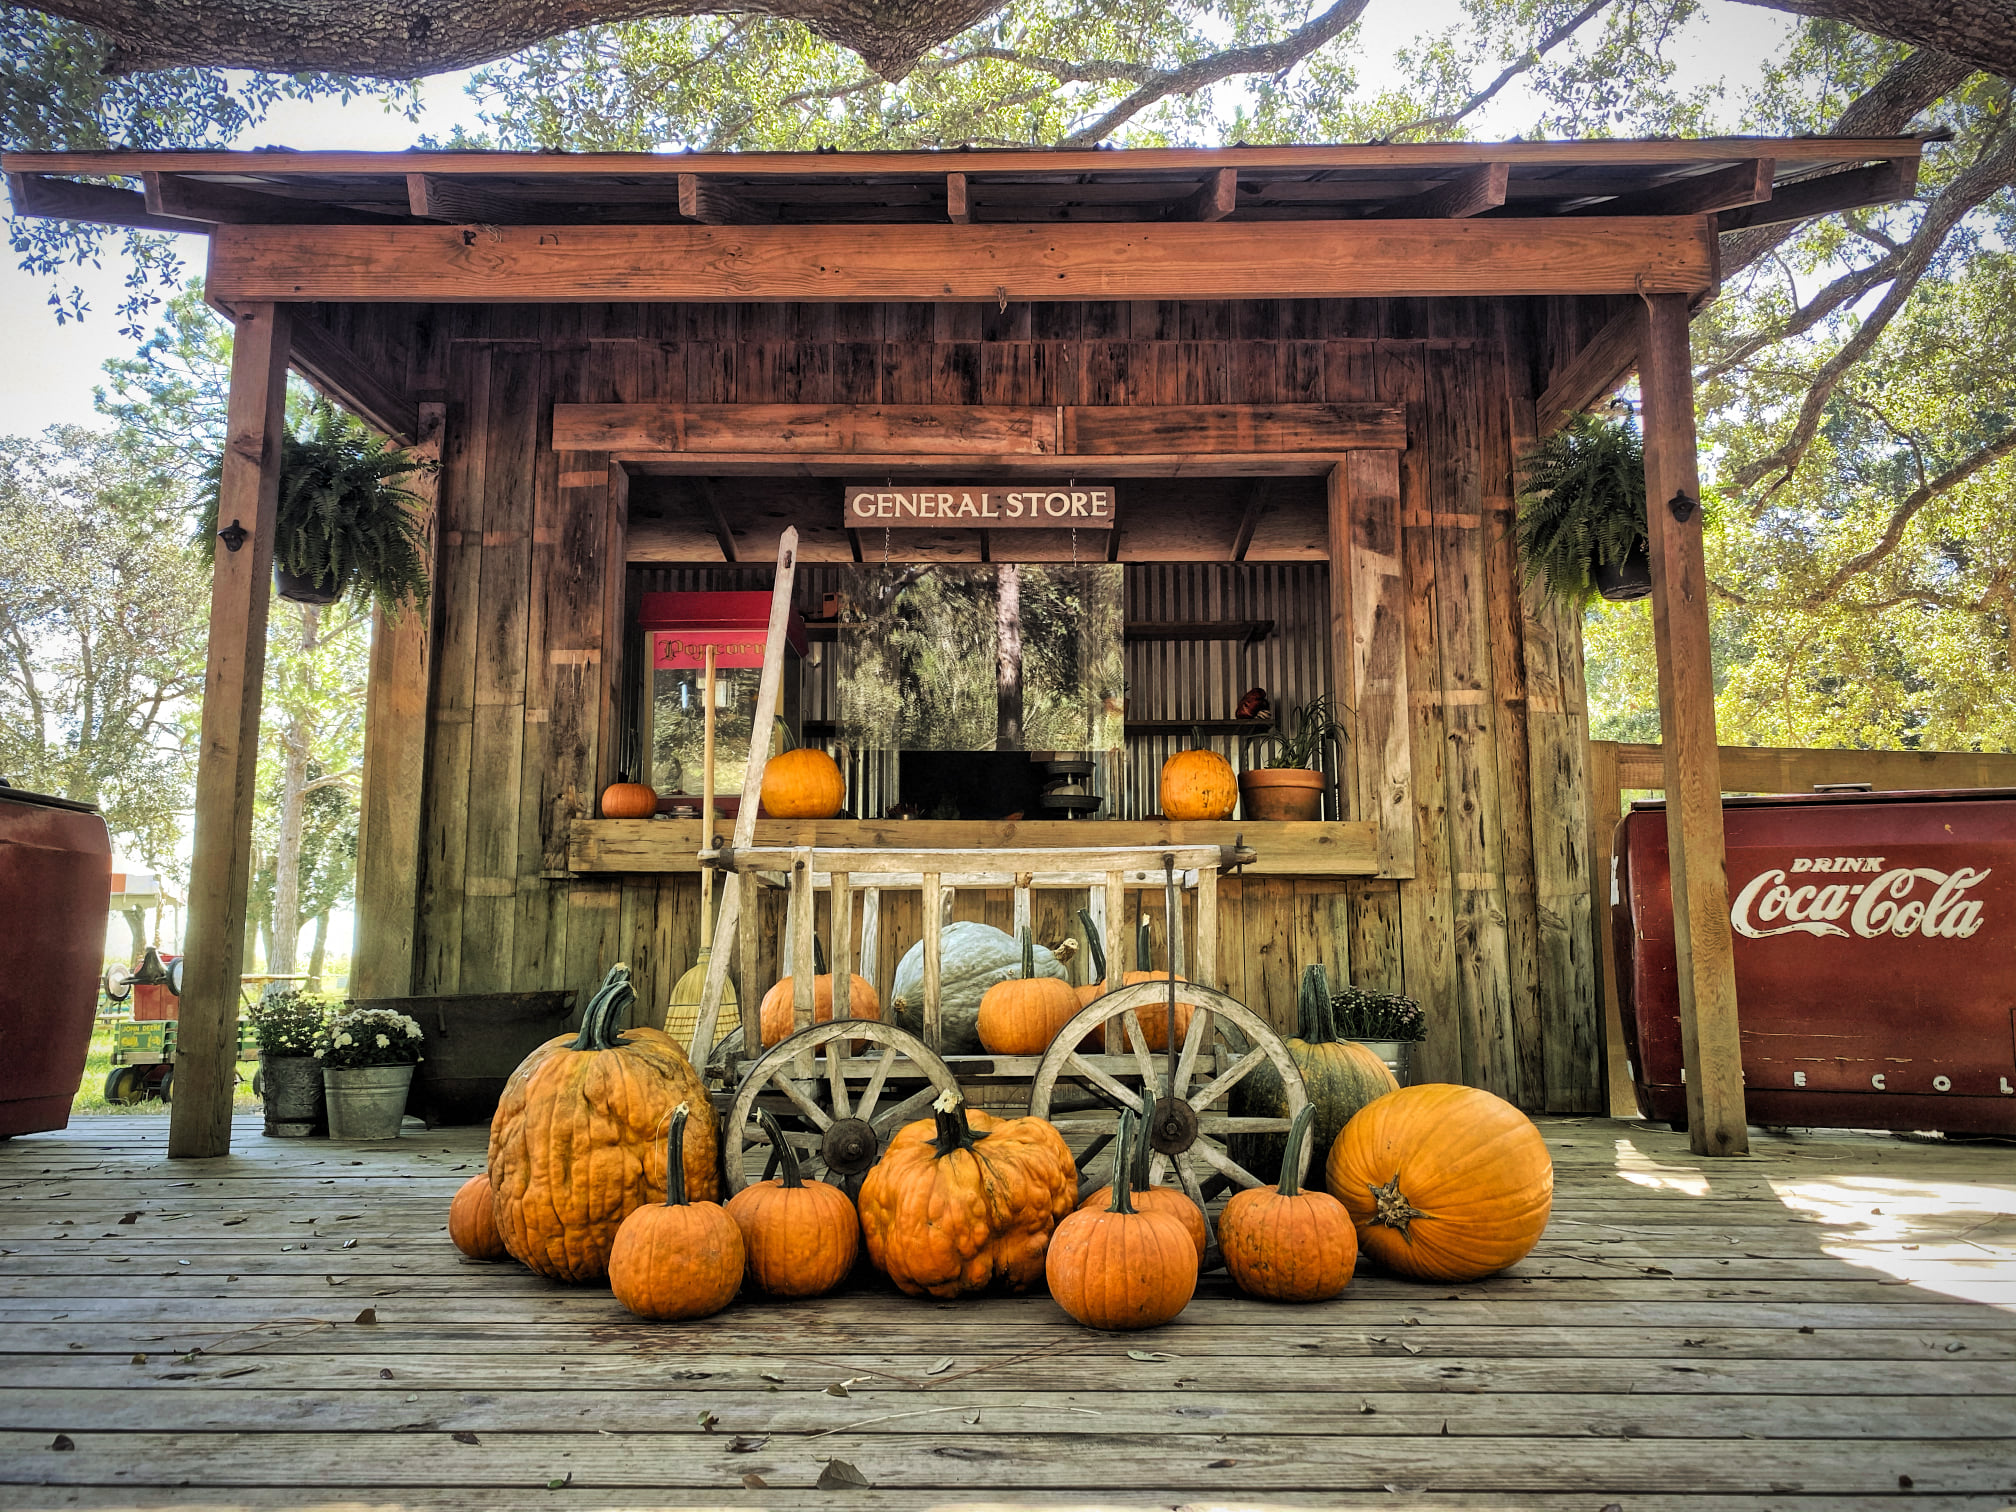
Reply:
x=801, y=1236
x=629, y=800
x=1022, y=1015
x=679, y=1260
x=1123, y=1268
x=472, y=1221
x=1154, y=1016
x=1156, y=1199
x=803, y=784
x=1445, y=1183
x=1199, y=785
x=1283, y=1243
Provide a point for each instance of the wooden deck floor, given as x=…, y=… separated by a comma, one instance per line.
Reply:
x=1829, y=1324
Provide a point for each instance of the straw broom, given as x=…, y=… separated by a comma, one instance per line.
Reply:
x=684, y=1009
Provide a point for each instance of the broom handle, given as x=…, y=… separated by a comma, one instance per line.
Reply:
x=707, y=803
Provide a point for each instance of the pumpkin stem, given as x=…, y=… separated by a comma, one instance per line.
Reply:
x=1093, y=944
x=954, y=1133
x=611, y=1001
x=1390, y=1208
x=1144, y=1150
x=1319, y=1023
x=1290, y=1184
x=787, y=1158
x=675, y=1158
x=1144, y=954
x=1123, y=1164
x=1028, y=956
x=818, y=955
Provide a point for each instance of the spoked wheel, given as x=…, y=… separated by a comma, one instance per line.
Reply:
x=838, y=1108
x=1224, y=1043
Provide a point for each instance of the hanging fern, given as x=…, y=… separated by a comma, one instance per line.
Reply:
x=345, y=518
x=1581, y=501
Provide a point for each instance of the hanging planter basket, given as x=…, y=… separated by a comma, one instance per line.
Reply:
x=1625, y=581
x=1582, y=529
x=302, y=590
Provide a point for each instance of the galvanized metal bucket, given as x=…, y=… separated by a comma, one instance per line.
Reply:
x=292, y=1088
x=366, y=1102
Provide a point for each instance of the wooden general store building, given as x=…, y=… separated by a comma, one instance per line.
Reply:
x=1306, y=371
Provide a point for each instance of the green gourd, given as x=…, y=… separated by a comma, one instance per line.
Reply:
x=971, y=958
x=1341, y=1076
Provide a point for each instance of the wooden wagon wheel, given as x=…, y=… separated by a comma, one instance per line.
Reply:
x=845, y=1116
x=1188, y=1136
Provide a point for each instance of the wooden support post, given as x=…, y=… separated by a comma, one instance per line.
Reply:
x=1368, y=628
x=1119, y=949
x=871, y=938
x=1605, y=803
x=840, y=956
x=227, y=761
x=1205, y=969
x=801, y=924
x=1711, y=1043
x=930, y=927
x=395, y=758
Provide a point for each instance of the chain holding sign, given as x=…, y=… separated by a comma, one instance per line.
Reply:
x=938, y=506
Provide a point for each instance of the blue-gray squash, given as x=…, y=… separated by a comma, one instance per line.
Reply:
x=972, y=957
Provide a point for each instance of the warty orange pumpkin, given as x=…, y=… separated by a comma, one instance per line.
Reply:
x=677, y=1259
x=574, y=1146
x=1199, y=785
x=1023, y=1014
x=803, y=784
x=472, y=1221
x=1123, y=1268
x=1283, y=1243
x=961, y=1199
x=1154, y=1199
x=1445, y=1183
x=801, y=1236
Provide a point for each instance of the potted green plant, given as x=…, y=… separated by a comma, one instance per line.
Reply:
x=1582, y=511
x=367, y=1056
x=1386, y=1023
x=288, y=1026
x=1290, y=783
x=345, y=523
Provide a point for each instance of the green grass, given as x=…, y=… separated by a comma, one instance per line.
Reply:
x=91, y=1091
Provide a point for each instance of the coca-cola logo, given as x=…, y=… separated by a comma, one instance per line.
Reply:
x=1899, y=901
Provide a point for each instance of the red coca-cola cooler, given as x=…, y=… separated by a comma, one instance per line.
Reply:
x=1875, y=947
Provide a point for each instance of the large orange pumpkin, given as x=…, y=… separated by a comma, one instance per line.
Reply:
x=961, y=1199
x=677, y=1259
x=574, y=1146
x=1022, y=1015
x=1125, y=1267
x=1199, y=785
x=779, y=1010
x=1154, y=1199
x=803, y=784
x=801, y=1236
x=1283, y=1243
x=472, y=1221
x=1445, y=1183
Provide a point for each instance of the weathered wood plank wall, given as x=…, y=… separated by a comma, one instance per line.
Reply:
x=1493, y=931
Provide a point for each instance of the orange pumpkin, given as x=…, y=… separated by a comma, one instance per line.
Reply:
x=679, y=1259
x=803, y=784
x=1199, y=785
x=1154, y=1199
x=1022, y=1015
x=629, y=800
x=961, y=1199
x=1123, y=1268
x=574, y=1146
x=1445, y=1183
x=801, y=1236
x=779, y=1010
x=1154, y=1016
x=1283, y=1243
x=472, y=1221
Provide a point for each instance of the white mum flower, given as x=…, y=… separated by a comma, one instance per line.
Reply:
x=344, y=1038
x=384, y=1043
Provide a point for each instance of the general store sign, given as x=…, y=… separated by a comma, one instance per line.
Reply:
x=939, y=506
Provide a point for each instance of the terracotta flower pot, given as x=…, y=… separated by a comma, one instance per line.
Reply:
x=1281, y=793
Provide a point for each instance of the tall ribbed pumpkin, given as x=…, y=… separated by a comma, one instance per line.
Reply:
x=579, y=1137
x=961, y=1199
x=1340, y=1076
x=1445, y=1183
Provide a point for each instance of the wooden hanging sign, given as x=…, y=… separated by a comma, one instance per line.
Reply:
x=973, y=506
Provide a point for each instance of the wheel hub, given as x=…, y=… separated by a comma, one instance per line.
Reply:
x=1175, y=1127
x=850, y=1147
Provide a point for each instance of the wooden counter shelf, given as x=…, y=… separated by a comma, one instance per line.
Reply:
x=1312, y=849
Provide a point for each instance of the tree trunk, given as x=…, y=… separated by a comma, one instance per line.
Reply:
x=295, y=742
x=136, y=928
x=1008, y=658
x=318, y=952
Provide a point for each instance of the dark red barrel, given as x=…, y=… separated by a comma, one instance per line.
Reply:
x=1875, y=947
x=55, y=888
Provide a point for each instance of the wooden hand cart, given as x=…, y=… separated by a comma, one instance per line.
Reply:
x=841, y=1089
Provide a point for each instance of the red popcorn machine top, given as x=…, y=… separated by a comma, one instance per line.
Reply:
x=1875, y=950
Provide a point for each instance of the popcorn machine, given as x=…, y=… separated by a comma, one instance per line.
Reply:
x=678, y=628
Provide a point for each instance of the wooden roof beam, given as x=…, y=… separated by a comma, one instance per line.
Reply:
x=1249, y=518
x=955, y=199
x=1490, y=255
x=711, y=204
x=1591, y=374
x=1855, y=189
x=1745, y=183
x=182, y=197
x=431, y=196
x=99, y=204
x=1214, y=199
x=1469, y=193
x=718, y=517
